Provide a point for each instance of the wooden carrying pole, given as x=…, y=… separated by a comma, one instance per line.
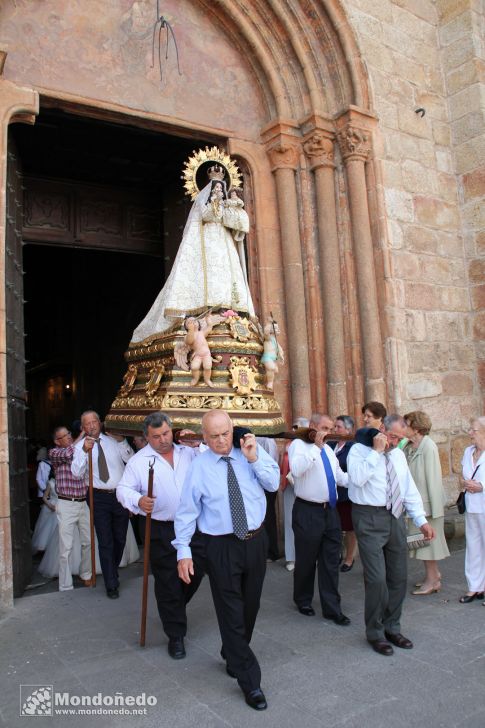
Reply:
x=146, y=559
x=91, y=518
x=302, y=433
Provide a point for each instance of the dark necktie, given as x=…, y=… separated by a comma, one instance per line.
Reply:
x=102, y=464
x=236, y=503
x=393, y=496
x=332, y=490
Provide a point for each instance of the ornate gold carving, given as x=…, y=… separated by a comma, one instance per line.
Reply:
x=319, y=149
x=275, y=424
x=240, y=328
x=229, y=402
x=354, y=142
x=154, y=379
x=283, y=156
x=212, y=154
x=243, y=377
x=128, y=381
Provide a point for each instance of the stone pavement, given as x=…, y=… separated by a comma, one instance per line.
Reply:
x=315, y=674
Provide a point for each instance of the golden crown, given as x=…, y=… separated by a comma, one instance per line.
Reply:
x=222, y=164
x=216, y=172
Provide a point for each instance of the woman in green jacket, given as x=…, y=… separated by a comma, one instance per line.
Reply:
x=424, y=463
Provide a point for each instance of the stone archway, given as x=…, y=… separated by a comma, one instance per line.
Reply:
x=313, y=174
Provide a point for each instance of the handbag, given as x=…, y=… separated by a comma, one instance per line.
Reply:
x=460, y=501
x=416, y=541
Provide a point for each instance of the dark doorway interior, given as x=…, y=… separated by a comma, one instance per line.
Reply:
x=81, y=309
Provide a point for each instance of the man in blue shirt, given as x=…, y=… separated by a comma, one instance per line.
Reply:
x=223, y=495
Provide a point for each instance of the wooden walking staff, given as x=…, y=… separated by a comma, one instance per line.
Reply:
x=146, y=558
x=91, y=518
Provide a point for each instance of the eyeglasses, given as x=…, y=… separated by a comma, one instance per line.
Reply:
x=61, y=437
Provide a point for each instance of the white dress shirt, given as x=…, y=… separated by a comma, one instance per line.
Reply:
x=306, y=466
x=475, y=502
x=167, y=481
x=367, y=473
x=116, y=454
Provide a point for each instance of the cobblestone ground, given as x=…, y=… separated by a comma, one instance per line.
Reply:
x=315, y=674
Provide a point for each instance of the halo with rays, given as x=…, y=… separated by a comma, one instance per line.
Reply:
x=209, y=154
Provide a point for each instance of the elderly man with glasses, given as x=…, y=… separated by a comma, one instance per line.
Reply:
x=72, y=510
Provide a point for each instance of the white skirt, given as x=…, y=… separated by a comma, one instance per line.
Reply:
x=44, y=528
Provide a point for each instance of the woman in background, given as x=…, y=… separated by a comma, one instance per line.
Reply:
x=424, y=463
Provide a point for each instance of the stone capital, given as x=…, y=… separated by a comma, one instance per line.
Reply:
x=318, y=147
x=283, y=155
x=355, y=143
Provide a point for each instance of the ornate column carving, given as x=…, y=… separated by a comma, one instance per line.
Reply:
x=319, y=148
x=355, y=144
x=283, y=150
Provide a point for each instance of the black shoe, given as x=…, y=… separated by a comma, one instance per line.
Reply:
x=467, y=598
x=382, y=647
x=176, y=648
x=255, y=699
x=340, y=619
x=346, y=567
x=112, y=593
x=307, y=610
x=399, y=640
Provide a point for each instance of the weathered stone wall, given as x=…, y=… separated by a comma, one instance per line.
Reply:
x=462, y=41
x=422, y=55
x=103, y=50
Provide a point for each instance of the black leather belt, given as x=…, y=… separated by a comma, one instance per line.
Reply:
x=68, y=498
x=314, y=503
x=111, y=491
x=247, y=537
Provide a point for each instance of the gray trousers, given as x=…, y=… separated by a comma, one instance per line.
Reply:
x=383, y=552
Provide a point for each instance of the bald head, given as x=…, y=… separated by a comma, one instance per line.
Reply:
x=217, y=431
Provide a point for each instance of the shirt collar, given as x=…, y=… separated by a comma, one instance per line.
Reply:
x=218, y=457
x=149, y=452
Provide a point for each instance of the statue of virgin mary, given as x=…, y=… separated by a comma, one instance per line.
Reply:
x=206, y=273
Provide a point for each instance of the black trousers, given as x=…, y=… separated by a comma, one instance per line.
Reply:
x=236, y=572
x=270, y=525
x=111, y=524
x=318, y=539
x=171, y=593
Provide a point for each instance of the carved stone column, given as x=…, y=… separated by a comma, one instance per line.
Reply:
x=284, y=154
x=319, y=149
x=355, y=145
x=16, y=104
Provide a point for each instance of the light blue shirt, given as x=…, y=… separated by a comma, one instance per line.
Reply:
x=205, y=498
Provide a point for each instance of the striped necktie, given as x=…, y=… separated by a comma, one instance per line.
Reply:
x=236, y=502
x=393, y=492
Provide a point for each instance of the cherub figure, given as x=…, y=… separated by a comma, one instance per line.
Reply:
x=196, y=342
x=272, y=352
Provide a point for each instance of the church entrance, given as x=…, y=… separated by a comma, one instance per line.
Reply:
x=102, y=213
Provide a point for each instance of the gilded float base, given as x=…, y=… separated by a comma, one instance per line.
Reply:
x=155, y=381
